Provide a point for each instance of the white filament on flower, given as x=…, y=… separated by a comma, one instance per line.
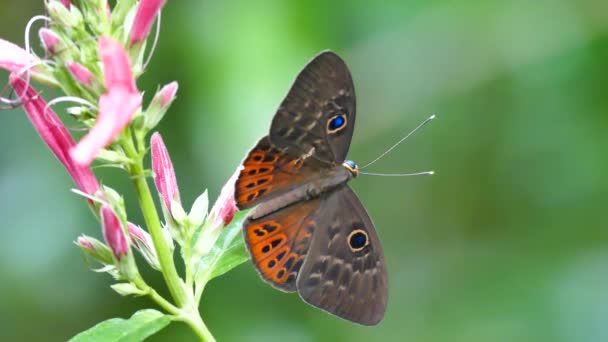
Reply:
x=91, y=197
x=154, y=42
x=16, y=102
x=28, y=28
x=62, y=99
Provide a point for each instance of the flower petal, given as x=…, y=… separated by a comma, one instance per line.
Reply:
x=53, y=133
x=13, y=58
x=116, y=107
x=144, y=18
x=116, y=66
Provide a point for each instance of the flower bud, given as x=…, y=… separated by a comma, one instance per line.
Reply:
x=224, y=208
x=159, y=105
x=113, y=232
x=67, y=18
x=144, y=18
x=127, y=289
x=115, y=237
x=164, y=175
x=66, y=3
x=95, y=249
x=80, y=73
x=50, y=40
x=143, y=242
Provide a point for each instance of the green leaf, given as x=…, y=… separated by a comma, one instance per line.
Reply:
x=227, y=253
x=141, y=325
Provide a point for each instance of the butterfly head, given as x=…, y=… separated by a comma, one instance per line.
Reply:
x=352, y=167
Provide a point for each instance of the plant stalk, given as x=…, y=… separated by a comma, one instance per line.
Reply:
x=148, y=208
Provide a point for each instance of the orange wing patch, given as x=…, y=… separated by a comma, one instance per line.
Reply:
x=256, y=175
x=279, y=242
x=267, y=172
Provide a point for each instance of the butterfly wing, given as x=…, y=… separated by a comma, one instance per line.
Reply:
x=317, y=117
x=278, y=242
x=268, y=172
x=344, y=271
x=310, y=133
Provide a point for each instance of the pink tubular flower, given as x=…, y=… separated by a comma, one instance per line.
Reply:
x=164, y=175
x=53, y=133
x=113, y=233
x=146, y=13
x=116, y=107
x=13, y=58
x=224, y=208
x=80, y=73
x=66, y=3
x=49, y=39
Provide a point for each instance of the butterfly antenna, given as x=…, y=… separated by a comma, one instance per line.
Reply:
x=398, y=143
x=398, y=174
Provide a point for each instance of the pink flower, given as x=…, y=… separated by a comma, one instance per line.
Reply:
x=164, y=175
x=80, y=73
x=146, y=13
x=167, y=94
x=66, y=3
x=13, y=58
x=53, y=133
x=116, y=107
x=113, y=233
x=224, y=208
x=49, y=39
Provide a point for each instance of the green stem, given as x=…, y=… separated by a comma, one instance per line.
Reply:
x=148, y=208
x=198, y=326
x=188, y=307
x=162, y=302
x=187, y=259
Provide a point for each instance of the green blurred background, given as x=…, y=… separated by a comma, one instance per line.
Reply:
x=507, y=242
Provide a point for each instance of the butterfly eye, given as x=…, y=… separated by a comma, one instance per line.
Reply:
x=336, y=123
x=357, y=240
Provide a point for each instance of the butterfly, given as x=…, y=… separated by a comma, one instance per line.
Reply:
x=308, y=232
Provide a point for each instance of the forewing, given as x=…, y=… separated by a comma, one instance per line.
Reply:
x=322, y=91
x=268, y=172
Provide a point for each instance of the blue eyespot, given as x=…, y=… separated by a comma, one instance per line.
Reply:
x=351, y=164
x=336, y=122
x=357, y=240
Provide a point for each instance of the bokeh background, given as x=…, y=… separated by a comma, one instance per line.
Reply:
x=507, y=242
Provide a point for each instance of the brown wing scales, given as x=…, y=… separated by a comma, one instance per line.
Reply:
x=342, y=275
x=322, y=90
